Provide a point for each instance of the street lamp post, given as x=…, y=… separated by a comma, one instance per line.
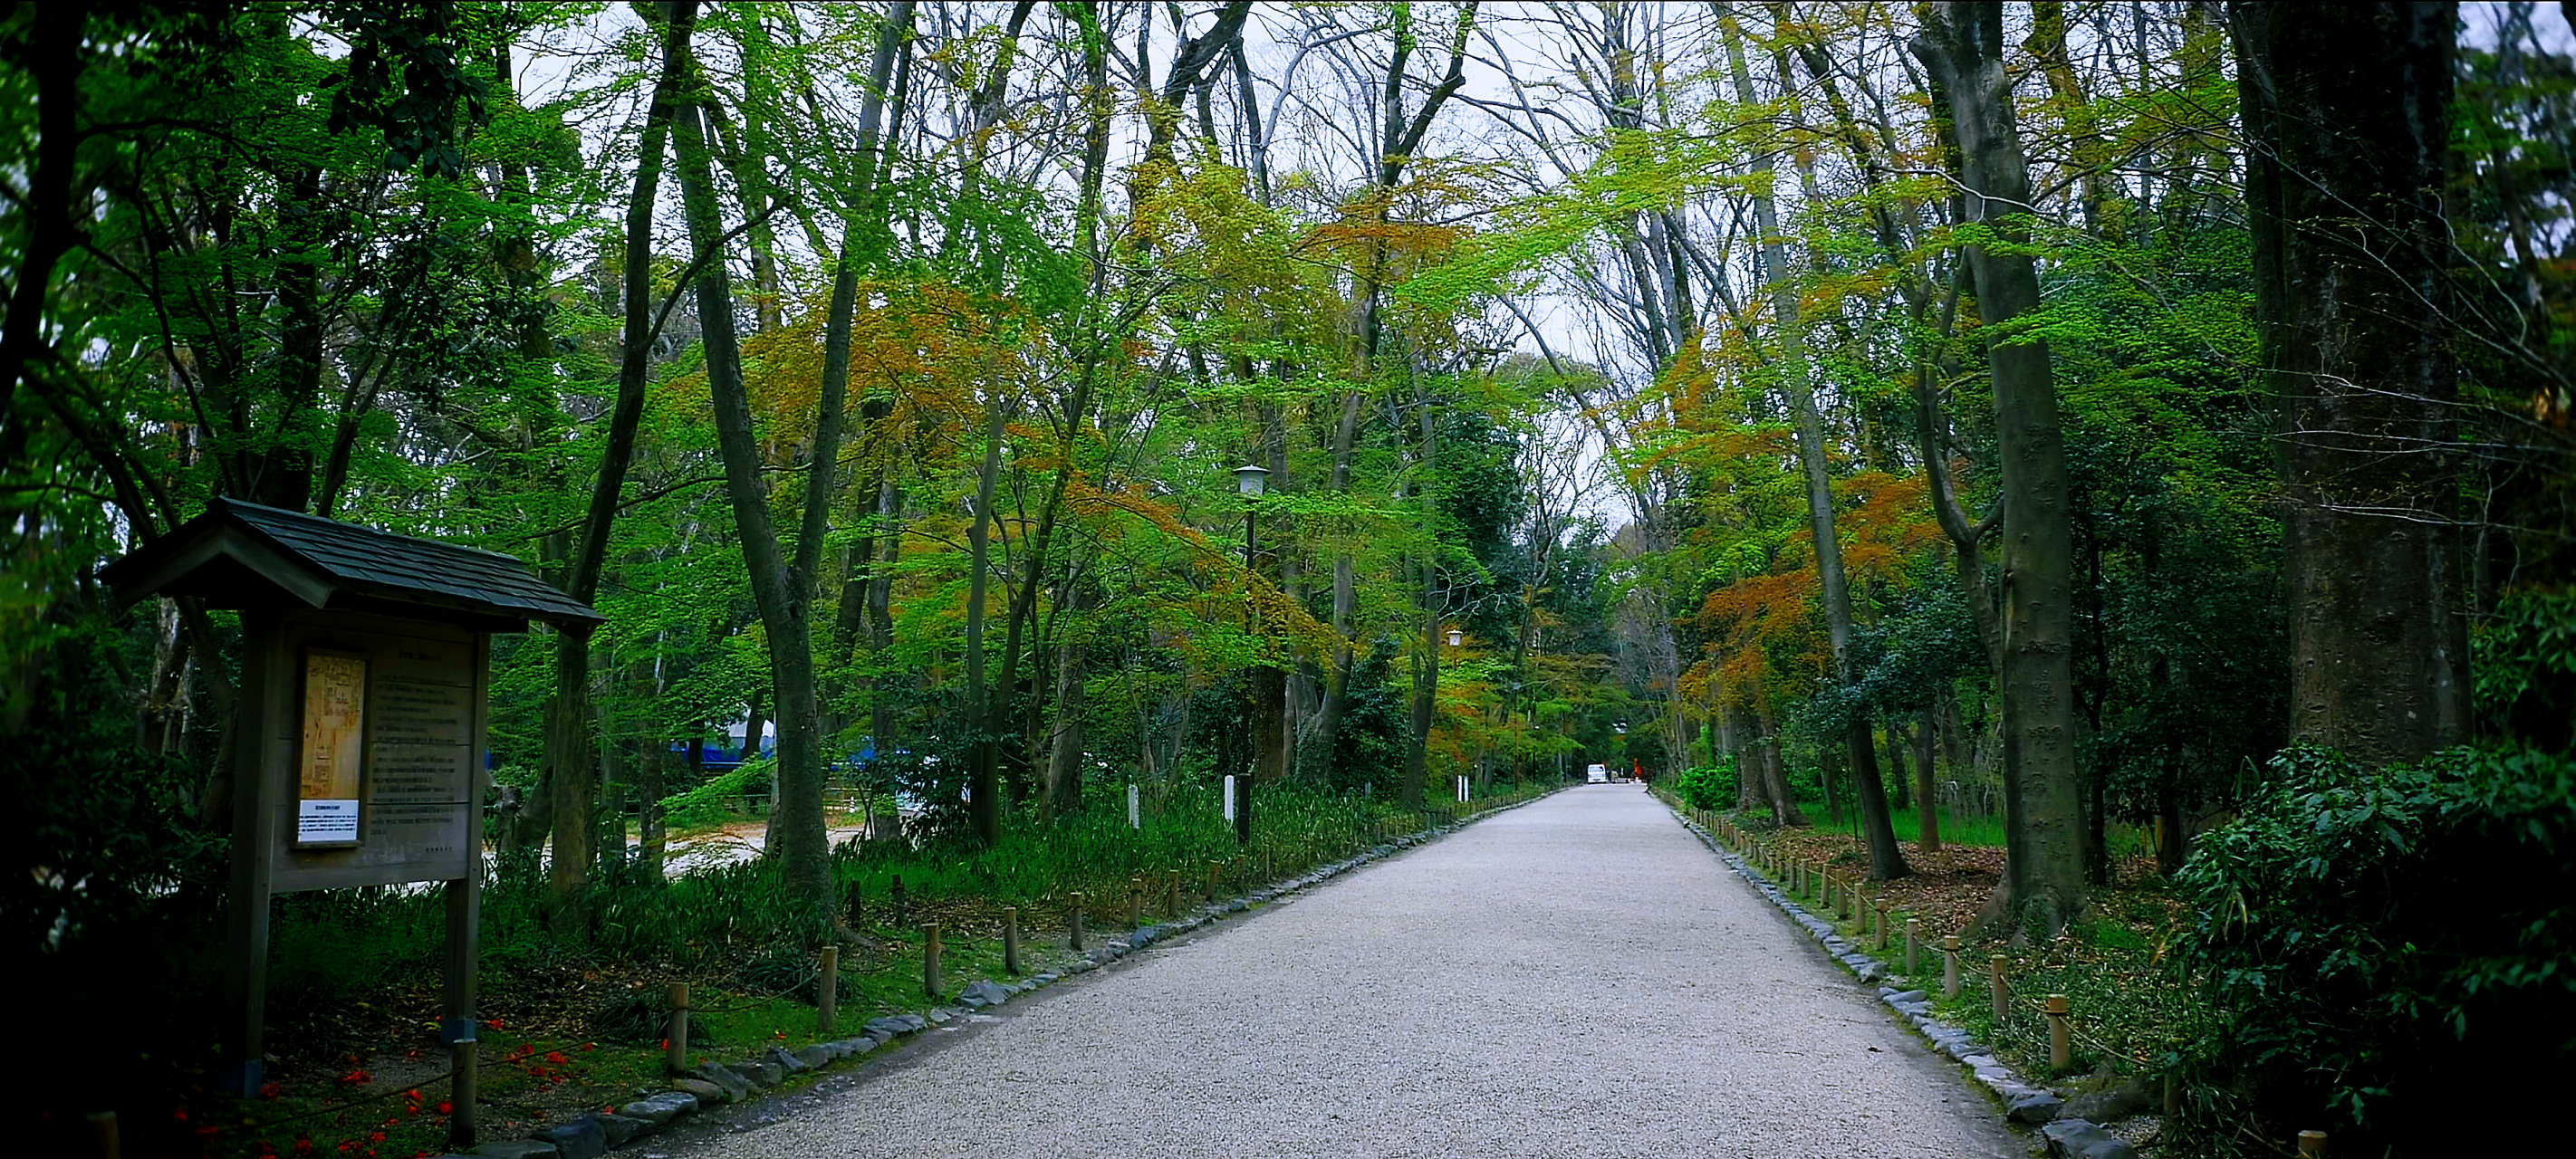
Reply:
x=1249, y=480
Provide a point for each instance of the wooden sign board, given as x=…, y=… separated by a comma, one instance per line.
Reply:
x=374, y=768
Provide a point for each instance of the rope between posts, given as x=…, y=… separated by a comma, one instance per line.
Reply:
x=2029, y=1006
x=765, y=995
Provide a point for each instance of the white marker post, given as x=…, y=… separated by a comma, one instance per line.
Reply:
x=1229, y=797
x=1135, y=810
x=1462, y=787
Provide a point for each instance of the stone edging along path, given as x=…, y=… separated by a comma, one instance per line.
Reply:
x=711, y=1084
x=2023, y=1102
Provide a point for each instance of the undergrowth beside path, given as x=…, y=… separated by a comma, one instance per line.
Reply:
x=571, y=1028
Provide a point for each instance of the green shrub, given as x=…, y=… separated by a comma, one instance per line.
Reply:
x=2382, y=948
x=1708, y=786
x=711, y=803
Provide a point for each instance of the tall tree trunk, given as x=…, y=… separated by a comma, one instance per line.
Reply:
x=1775, y=774
x=755, y=722
x=2043, y=887
x=798, y=837
x=2347, y=115
x=1063, y=792
x=1399, y=137
x=983, y=710
x=571, y=752
x=1927, y=799
x=1426, y=695
x=1869, y=793
x=862, y=245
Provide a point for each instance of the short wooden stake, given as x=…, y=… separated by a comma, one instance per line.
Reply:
x=1950, y=966
x=827, y=991
x=1172, y=900
x=902, y=911
x=1011, y=940
x=1913, y=943
x=1883, y=922
x=930, y=959
x=2173, y=1096
x=104, y=1125
x=1135, y=903
x=1215, y=872
x=1073, y=922
x=675, y=1049
x=1995, y=979
x=2060, y=1051
x=2312, y=1143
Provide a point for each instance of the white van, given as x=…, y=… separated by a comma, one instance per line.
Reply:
x=1596, y=774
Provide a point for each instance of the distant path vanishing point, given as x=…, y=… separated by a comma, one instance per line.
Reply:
x=1579, y=977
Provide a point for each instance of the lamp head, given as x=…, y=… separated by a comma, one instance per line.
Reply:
x=1456, y=637
x=1249, y=479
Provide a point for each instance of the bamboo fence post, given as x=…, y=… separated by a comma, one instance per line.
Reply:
x=1073, y=921
x=675, y=1049
x=2060, y=1050
x=1995, y=979
x=930, y=959
x=2312, y=1143
x=1011, y=940
x=1950, y=966
x=827, y=991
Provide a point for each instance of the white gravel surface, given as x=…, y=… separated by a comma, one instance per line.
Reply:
x=1579, y=977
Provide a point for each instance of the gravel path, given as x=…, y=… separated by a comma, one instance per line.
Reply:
x=1575, y=978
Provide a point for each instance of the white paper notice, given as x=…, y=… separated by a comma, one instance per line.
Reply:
x=1229, y=798
x=326, y=821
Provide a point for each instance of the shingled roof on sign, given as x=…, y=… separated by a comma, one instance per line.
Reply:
x=241, y=554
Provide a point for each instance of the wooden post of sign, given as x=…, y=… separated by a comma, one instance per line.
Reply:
x=1073, y=921
x=464, y=922
x=264, y=752
x=930, y=959
x=1011, y=940
x=465, y=926
x=827, y=991
x=675, y=1047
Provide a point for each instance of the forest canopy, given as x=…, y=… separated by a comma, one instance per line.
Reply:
x=2045, y=411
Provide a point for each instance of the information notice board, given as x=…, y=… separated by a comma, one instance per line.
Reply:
x=386, y=737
